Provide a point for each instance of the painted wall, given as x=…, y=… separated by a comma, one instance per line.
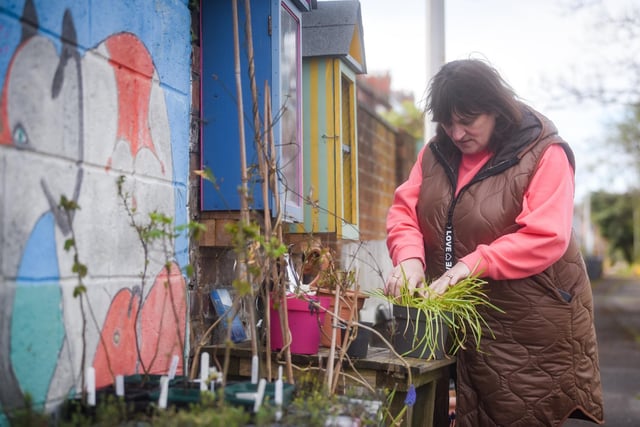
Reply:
x=90, y=91
x=322, y=148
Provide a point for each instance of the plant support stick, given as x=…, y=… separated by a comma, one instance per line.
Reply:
x=91, y=386
x=204, y=371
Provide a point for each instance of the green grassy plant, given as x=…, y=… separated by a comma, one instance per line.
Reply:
x=456, y=309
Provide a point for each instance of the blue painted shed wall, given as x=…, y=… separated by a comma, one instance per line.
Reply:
x=220, y=131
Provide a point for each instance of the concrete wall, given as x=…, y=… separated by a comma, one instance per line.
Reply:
x=90, y=91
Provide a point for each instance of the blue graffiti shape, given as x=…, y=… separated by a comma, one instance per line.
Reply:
x=37, y=329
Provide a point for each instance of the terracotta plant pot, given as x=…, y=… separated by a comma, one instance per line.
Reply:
x=345, y=309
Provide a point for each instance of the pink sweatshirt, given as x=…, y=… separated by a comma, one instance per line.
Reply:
x=546, y=220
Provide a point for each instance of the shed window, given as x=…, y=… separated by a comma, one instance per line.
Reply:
x=348, y=150
x=291, y=113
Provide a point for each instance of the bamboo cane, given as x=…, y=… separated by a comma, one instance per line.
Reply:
x=277, y=227
x=244, y=206
x=256, y=139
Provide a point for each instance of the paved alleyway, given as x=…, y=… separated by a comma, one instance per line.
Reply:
x=617, y=311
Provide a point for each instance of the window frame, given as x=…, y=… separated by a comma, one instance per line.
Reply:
x=291, y=199
x=349, y=211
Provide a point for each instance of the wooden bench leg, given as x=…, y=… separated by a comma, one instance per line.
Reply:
x=432, y=403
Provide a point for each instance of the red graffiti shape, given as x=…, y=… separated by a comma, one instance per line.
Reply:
x=164, y=321
x=116, y=353
x=6, y=137
x=161, y=324
x=133, y=72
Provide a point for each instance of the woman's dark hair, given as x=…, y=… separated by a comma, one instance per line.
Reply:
x=470, y=87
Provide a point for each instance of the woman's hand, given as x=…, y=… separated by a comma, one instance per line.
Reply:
x=449, y=278
x=409, y=270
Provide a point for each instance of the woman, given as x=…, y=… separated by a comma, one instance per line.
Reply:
x=492, y=195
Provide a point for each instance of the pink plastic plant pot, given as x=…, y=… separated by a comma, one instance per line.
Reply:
x=305, y=322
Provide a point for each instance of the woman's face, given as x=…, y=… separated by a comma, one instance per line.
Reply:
x=471, y=134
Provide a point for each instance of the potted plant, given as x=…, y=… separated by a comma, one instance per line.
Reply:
x=422, y=320
x=305, y=315
x=340, y=286
x=361, y=337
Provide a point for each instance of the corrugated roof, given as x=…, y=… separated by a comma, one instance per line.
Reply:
x=335, y=29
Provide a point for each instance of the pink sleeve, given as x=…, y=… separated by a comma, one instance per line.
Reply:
x=404, y=238
x=545, y=220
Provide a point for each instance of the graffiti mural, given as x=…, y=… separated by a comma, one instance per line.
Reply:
x=75, y=115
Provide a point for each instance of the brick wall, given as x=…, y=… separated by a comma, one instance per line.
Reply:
x=406, y=153
x=385, y=157
x=376, y=172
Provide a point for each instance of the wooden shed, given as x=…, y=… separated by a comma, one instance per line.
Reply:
x=333, y=54
x=276, y=39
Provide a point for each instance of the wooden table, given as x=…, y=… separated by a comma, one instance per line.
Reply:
x=381, y=369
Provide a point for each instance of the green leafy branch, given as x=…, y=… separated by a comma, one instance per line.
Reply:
x=158, y=229
x=80, y=290
x=78, y=268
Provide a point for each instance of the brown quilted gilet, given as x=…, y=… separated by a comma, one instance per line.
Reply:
x=542, y=364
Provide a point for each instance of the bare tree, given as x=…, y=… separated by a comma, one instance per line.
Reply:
x=611, y=73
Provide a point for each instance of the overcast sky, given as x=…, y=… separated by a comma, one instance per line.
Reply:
x=531, y=43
